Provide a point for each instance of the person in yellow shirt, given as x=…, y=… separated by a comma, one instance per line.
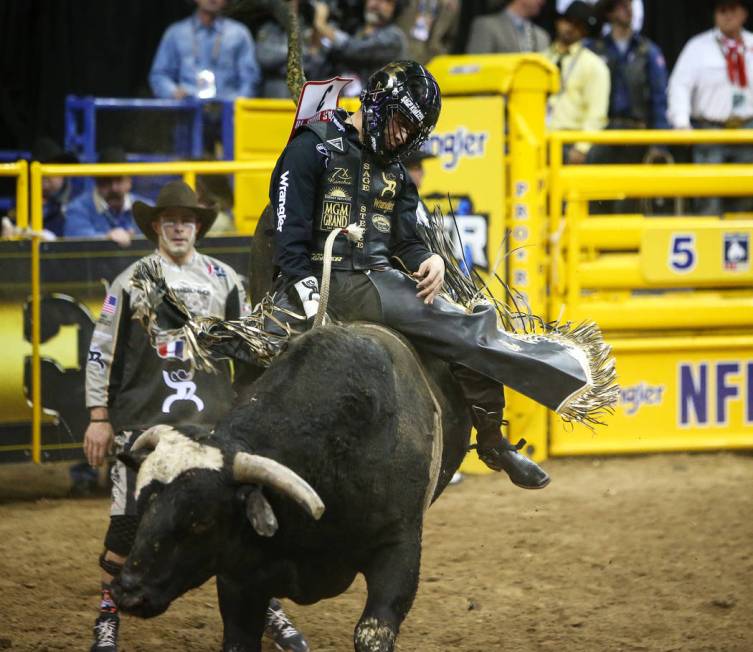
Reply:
x=583, y=100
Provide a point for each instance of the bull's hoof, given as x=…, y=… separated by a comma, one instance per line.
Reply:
x=373, y=636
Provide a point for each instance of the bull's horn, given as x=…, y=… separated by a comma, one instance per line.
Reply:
x=150, y=438
x=263, y=470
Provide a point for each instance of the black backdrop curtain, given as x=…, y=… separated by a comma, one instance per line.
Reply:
x=51, y=48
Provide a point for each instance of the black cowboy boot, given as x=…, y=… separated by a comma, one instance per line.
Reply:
x=500, y=455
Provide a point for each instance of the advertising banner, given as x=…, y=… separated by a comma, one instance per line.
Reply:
x=676, y=393
x=466, y=179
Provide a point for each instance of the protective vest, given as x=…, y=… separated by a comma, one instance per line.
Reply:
x=635, y=74
x=355, y=188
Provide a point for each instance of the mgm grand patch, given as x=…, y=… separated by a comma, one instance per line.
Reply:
x=335, y=214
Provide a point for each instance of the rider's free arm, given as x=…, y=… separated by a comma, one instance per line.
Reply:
x=407, y=245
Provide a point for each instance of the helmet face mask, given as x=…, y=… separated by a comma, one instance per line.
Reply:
x=401, y=105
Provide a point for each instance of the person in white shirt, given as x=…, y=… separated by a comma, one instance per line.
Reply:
x=711, y=87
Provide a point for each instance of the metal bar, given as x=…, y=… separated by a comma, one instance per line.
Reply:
x=190, y=179
x=146, y=169
x=576, y=211
x=228, y=146
x=197, y=132
x=89, y=134
x=684, y=343
x=657, y=136
x=22, y=195
x=36, y=375
x=615, y=181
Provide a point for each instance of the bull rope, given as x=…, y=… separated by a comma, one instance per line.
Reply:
x=354, y=234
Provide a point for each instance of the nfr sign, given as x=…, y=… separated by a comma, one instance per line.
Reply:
x=707, y=391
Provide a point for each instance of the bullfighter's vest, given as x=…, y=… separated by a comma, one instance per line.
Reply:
x=355, y=188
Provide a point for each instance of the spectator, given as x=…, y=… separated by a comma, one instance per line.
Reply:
x=638, y=98
x=377, y=43
x=710, y=88
x=56, y=191
x=214, y=192
x=207, y=56
x=272, y=53
x=106, y=210
x=510, y=30
x=636, y=6
x=637, y=68
x=583, y=99
x=430, y=26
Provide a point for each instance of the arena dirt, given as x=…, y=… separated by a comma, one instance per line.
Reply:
x=642, y=553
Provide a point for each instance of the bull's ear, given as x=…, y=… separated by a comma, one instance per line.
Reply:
x=134, y=459
x=258, y=511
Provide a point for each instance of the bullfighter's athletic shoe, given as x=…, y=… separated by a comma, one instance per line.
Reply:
x=281, y=630
x=499, y=454
x=106, y=633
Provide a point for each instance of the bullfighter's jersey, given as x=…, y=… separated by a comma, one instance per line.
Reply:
x=142, y=385
x=324, y=180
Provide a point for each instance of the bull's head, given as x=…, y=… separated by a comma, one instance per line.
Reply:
x=192, y=499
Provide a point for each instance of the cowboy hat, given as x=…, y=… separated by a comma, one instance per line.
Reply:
x=175, y=194
x=46, y=150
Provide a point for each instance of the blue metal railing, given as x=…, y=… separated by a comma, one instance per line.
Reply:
x=81, y=123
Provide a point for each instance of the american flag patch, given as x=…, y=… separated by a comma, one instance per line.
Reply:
x=215, y=270
x=110, y=304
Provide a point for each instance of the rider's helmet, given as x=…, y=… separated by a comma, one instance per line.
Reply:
x=404, y=89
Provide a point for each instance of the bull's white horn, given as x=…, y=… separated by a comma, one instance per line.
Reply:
x=150, y=438
x=263, y=470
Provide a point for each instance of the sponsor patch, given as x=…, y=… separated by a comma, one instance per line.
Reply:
x=335, y=214
x=381, y=223
x=337, y=143
x=340, y=175
x=384, y=205
x=338, y=193
x=317, y=258
x=409, y=104
x=282, y=194
x=95, y=357
x=736, y=252
x=390, y=185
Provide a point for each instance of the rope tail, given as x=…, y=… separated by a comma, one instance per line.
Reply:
x=355, y=234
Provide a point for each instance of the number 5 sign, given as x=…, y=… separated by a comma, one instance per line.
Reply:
x=682, y=253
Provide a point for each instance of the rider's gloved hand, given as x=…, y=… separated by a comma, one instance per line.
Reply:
x=308, y=291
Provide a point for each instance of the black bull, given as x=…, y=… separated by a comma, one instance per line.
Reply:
x=351, y=410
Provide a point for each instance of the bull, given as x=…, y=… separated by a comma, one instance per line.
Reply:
x=300, y=487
